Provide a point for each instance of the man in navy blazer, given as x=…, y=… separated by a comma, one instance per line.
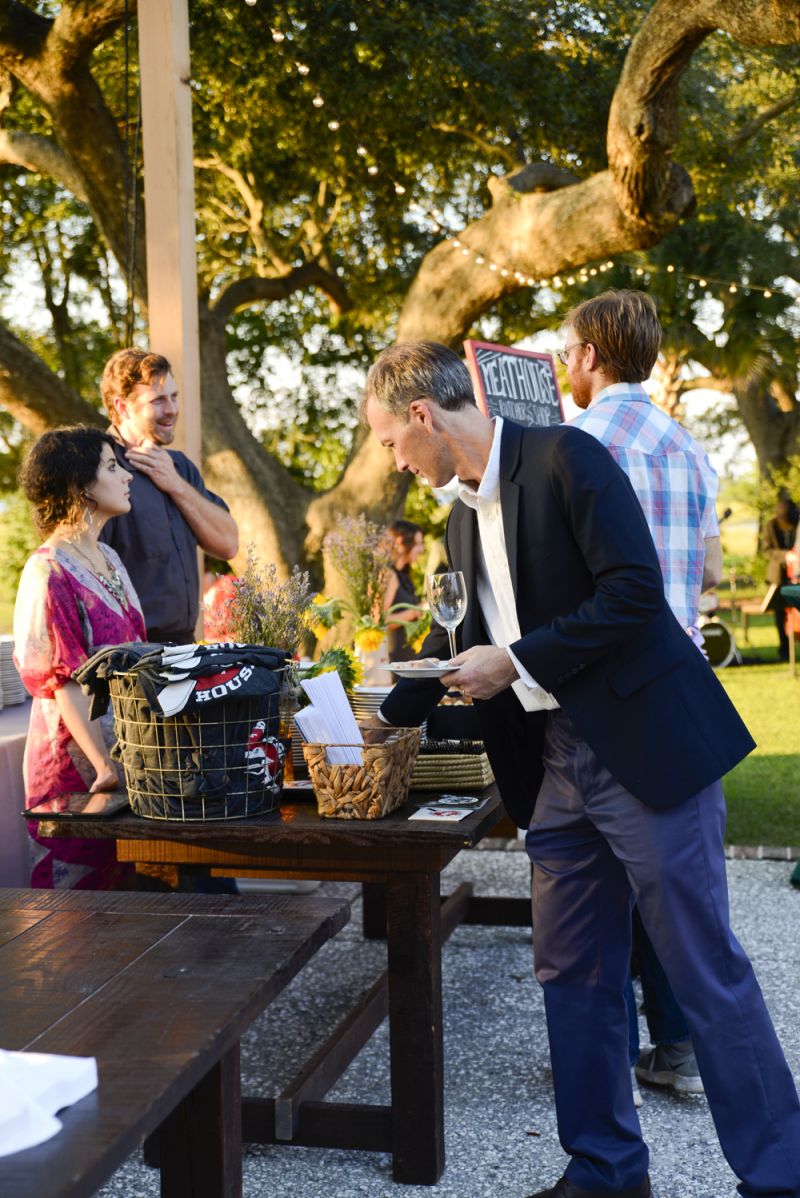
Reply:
x=608, y=734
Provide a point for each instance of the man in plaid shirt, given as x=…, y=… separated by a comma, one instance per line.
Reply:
x=677, y=488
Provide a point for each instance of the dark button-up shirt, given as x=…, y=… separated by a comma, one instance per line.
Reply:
x=159, y=550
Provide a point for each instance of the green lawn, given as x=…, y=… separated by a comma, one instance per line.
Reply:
x=763, y=792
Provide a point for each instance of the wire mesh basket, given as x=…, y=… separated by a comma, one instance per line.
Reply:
x=218, y=762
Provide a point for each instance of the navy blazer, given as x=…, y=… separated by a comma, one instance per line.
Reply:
x=596, y=631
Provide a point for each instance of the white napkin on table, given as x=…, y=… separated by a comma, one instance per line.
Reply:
x=33, y=1086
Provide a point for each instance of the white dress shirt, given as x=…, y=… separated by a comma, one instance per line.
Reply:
x=495, y=592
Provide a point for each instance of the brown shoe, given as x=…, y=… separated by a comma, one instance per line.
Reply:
x=565, y=1189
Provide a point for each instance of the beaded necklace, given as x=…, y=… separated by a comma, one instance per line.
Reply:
x=111, y=581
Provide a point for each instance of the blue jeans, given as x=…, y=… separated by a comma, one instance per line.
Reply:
x=595, y=849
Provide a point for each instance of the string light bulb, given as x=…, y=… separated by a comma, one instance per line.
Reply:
x=437, y=218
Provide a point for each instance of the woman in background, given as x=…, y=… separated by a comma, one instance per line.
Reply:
x=407, y=543
x=778, y=539
x=74, y=598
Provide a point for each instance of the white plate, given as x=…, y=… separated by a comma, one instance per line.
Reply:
x=407, y=669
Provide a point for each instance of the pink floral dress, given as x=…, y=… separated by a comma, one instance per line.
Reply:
x=62, y=616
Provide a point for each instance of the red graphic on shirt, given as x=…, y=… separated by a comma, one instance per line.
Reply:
x=218, y=686
x=264, y=755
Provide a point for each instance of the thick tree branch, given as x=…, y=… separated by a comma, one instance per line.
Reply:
x=629, y=207
x=81, y=26
x=48, y=59
x=540, y=235
x=536, y=176
x=42, y=156
x=254, y=289
x=784, y=398
x=708, y=383
x=22, y=34
x=643, y=123
x=33, y=394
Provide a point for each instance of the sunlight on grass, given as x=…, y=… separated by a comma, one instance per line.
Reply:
x=763, y=792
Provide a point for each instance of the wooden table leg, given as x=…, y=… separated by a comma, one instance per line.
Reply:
x=373, y=906
x=201, y=1141
x=415, y=1027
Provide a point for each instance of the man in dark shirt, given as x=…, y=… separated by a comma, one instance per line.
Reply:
x=172, y=512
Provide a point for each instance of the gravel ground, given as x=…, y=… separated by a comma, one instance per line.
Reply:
x=501, y=1139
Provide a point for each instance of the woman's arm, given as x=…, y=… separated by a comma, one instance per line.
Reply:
x=73, y=707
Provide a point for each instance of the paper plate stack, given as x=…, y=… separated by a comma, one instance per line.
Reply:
x=12, y=690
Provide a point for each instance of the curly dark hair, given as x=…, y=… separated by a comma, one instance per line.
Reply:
x=58, y=469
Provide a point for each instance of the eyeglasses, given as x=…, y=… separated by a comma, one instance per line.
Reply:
x=563, y=354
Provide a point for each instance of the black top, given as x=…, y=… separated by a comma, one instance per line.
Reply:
x=159, y=551
x=399, y=648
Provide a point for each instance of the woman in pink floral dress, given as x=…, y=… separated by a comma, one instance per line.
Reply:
x=74, y=598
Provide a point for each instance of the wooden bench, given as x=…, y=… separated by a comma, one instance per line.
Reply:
x=159, y=988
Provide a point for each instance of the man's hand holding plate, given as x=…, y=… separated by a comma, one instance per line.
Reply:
x=484, y=671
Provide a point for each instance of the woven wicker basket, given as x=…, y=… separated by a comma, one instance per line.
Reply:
x=366, y=791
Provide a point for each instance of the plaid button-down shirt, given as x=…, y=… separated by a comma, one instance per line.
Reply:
x=673, y=479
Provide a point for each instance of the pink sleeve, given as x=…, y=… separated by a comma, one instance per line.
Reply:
x=50, y=634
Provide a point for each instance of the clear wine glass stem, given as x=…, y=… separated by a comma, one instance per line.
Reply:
x=452, y=638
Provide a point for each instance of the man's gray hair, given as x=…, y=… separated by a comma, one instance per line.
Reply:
x=418, y=370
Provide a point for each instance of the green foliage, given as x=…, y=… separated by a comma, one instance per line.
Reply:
x=18, y=539
x=340, y=659
x=427, y=103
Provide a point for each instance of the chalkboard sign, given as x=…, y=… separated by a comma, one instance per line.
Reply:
x=517, y=384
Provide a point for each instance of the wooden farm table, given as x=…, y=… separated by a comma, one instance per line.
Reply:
x=399, y=863
x=159, y=988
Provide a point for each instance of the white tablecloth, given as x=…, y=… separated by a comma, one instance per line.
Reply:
x=14, y=867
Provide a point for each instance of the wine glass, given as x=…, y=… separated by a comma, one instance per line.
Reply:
x=447, y=599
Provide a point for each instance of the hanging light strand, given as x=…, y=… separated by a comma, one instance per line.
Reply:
x=456, y=239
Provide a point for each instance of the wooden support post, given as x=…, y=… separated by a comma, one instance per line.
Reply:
x=416, y=1040
x=169, y=203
